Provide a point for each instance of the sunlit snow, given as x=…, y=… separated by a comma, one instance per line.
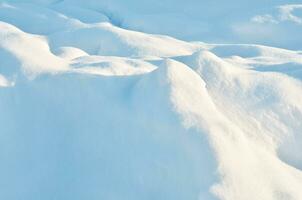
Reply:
x=157, y=100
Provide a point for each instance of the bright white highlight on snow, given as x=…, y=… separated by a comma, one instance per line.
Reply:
x=155, y=100
x=285, y=13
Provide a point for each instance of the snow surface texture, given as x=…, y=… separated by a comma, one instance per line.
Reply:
x=92, y=107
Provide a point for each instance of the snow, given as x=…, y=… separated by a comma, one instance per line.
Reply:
x=150, y=100
x=4, y=82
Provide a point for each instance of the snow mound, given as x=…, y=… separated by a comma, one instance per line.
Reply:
x=94, y=107
x=111, y=66
x=14, y=52
x=108, y=40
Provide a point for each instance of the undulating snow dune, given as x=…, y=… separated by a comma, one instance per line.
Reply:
x=126, y=100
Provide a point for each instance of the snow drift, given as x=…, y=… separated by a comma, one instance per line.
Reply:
x=93, y=107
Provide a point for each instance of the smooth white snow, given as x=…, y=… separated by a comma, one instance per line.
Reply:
x=96, y=103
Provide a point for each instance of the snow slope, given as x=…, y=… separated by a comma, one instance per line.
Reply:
x=96, y=103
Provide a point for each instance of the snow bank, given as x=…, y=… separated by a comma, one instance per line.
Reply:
x=93, y=107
